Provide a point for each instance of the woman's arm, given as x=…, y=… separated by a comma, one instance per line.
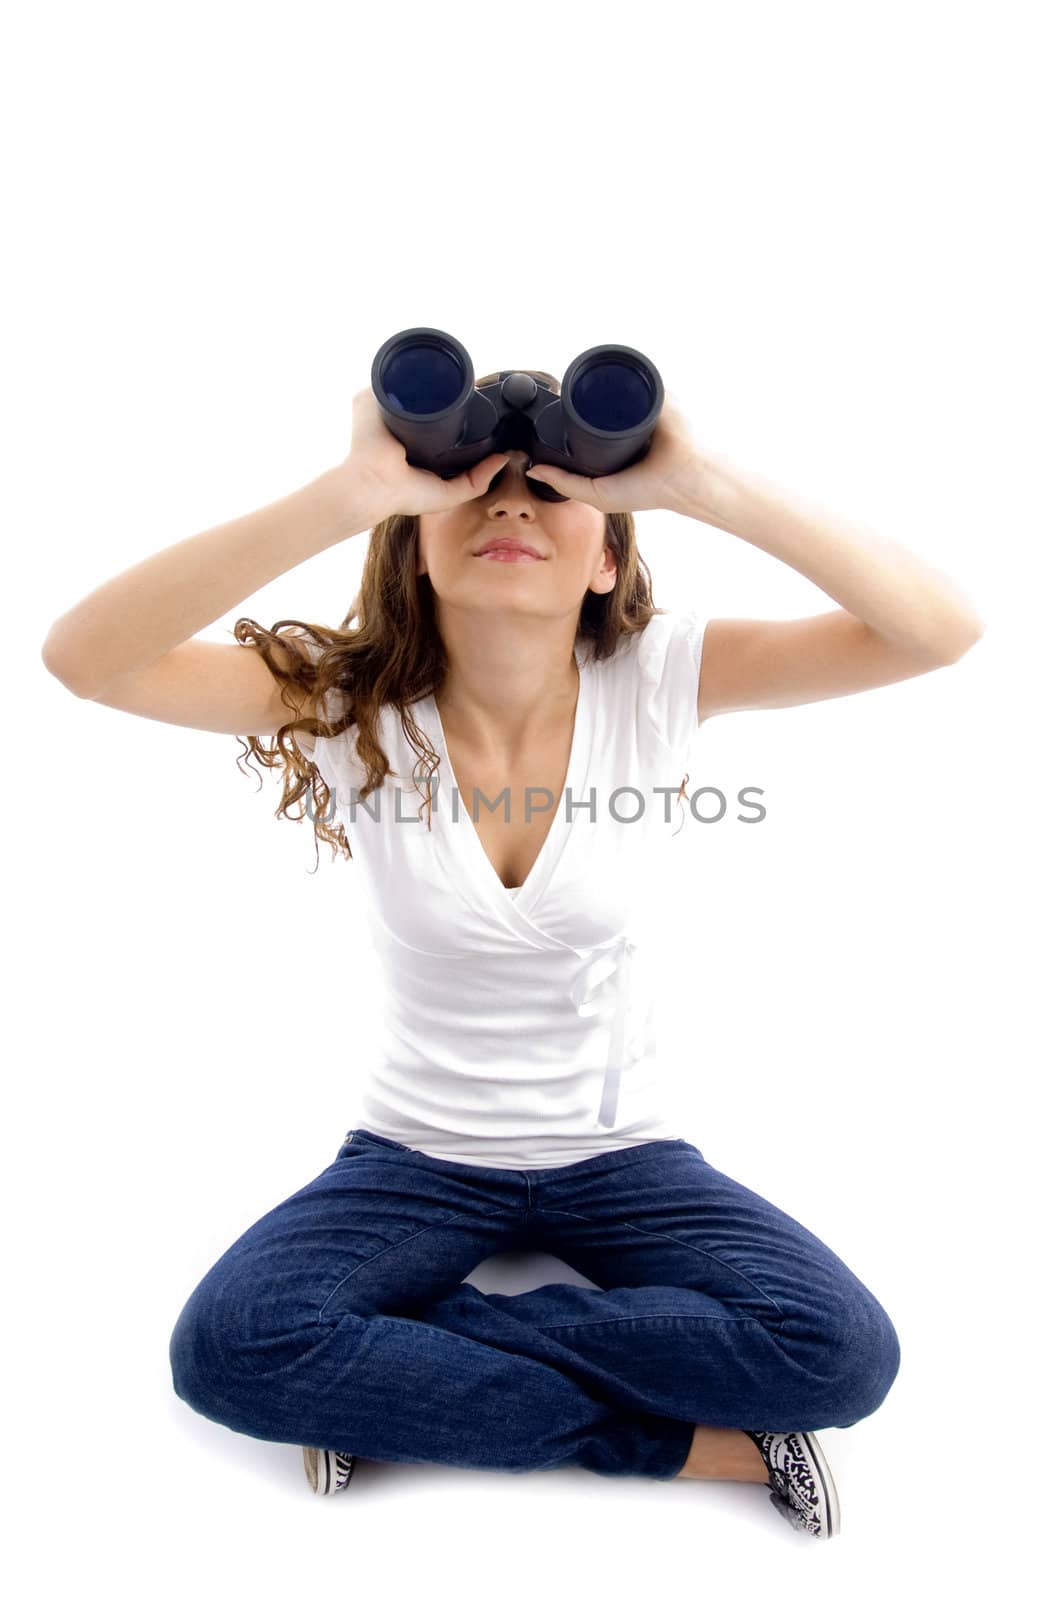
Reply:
x=752, y=665
x=900, y=617
x=139, y=616
x=880, y=583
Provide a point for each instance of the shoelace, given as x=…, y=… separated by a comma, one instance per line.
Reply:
x=796, y=1518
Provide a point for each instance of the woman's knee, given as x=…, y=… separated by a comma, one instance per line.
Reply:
x=851, y=1348
x=232, y=1330
x=189, y=1362
x=869, y=1356
x=205, y=1349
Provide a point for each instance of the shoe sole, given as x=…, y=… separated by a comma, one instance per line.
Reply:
x=324, y=1470
x=811, y=1445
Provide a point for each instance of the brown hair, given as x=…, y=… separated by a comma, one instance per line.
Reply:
x=395, y=655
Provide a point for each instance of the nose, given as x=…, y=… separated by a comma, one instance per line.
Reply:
x=510, y=481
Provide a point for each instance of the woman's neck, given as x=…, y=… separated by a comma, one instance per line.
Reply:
x=507, y=696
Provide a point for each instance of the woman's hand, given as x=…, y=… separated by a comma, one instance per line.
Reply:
x=384, y=484
x=666, y=479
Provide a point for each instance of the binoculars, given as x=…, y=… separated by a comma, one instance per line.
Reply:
x=602, y=422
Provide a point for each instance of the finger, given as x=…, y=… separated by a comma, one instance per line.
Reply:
x=480, y=476
x=570, y=484
x=485, y=470
x=557, y=477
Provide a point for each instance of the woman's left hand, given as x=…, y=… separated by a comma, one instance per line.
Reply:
x=666, y=479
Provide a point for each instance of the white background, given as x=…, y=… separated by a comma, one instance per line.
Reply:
x=831, y=228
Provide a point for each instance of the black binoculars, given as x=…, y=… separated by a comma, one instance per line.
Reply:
x=602, y=422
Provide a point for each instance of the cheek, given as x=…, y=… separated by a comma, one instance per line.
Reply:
x=592, y=525
x=593, y=534
x=582, y=527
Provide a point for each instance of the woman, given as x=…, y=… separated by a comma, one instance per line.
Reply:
x=512, y=1103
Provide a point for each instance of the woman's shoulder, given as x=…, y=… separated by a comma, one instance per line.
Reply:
x=654, y=675
x=669, y=641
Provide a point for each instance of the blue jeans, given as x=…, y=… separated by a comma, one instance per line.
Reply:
x=341, y=1318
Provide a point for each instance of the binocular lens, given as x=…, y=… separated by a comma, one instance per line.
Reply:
x=613, y=396
x=422, y=379
x=602, y=421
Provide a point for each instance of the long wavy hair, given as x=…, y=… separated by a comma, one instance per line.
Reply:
x=394, y=655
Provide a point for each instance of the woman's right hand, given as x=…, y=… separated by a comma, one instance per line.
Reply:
x=383, y=481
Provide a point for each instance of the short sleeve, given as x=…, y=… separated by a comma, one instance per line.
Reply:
x=669, y=661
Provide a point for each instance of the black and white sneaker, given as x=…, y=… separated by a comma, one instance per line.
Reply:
x=328, y=1471
x=802, y=1488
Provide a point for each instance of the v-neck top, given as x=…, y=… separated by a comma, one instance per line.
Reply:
x=516, y=1025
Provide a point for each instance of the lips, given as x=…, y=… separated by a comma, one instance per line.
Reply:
x=504, y=543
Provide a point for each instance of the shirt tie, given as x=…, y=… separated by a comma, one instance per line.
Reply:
x=586, y=997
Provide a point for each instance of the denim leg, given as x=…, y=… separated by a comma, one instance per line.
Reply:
x=715, y=1306
x=317, y=1327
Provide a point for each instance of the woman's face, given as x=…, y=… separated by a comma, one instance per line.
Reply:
x=569, y=539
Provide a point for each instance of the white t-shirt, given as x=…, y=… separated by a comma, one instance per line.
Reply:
x=517, y=1028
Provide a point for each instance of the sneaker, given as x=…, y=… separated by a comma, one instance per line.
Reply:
x=328, y=1471
x=802, y=1488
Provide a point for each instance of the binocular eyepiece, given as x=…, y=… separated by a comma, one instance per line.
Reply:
x=602, y=422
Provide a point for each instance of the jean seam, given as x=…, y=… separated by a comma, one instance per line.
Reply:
x=650, y=1316
x=651, y=1234
x=439, y=1223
